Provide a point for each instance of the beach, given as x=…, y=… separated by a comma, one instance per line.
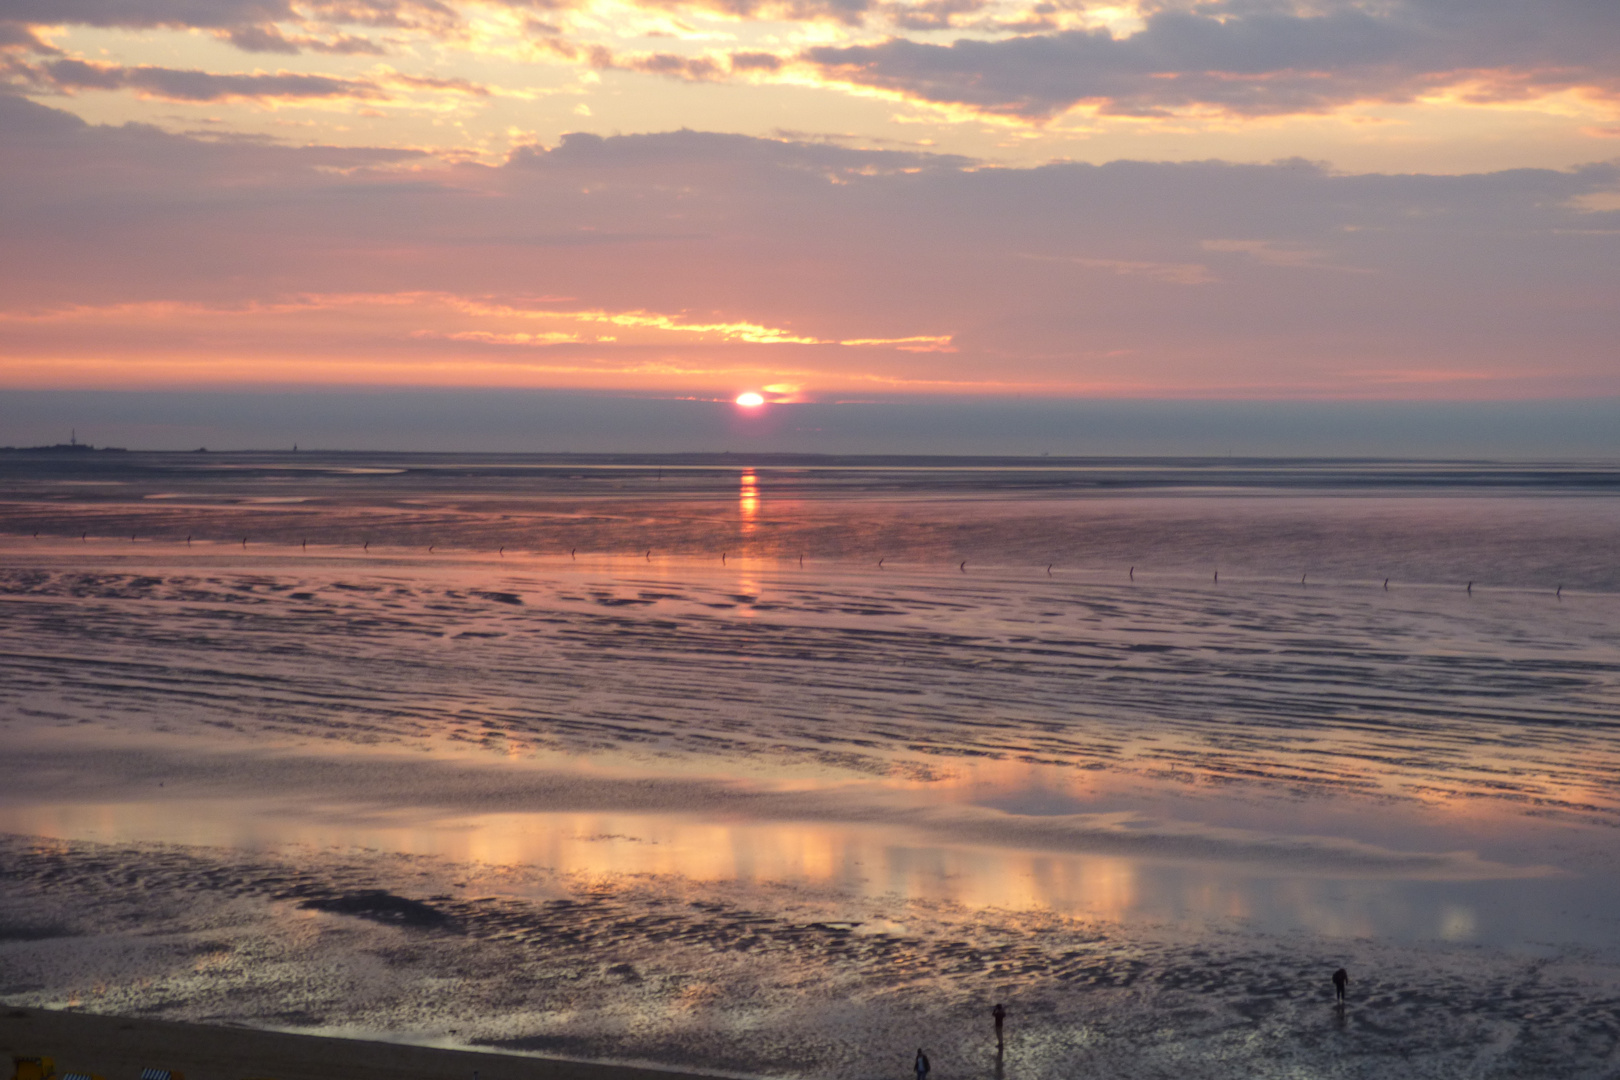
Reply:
x=652, y=763
x=113, y=1046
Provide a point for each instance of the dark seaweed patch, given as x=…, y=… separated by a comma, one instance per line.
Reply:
x=380, y=906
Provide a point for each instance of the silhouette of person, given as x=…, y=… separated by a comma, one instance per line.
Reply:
x=922, y=1065
x=1000, y=1016
x=1340, y=977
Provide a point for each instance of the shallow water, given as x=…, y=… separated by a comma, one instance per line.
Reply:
x=639, y=802
x=1532, y=526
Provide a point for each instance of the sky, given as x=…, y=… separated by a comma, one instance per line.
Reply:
x=821, y=201
x=504, y=420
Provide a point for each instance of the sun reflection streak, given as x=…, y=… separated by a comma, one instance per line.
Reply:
x=748, y=502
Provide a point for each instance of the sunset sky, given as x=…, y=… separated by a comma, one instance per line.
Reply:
x=816, y=200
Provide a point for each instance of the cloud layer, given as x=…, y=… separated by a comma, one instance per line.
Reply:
x=691, y=262
x=178, y=85
x=1028, y=61
x=1258, y=59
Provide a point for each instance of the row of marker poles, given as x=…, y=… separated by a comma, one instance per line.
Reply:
x=573, y=553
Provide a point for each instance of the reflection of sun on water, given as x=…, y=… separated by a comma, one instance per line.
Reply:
x=747, y=515
x=748, y=501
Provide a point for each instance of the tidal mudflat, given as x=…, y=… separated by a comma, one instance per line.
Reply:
x=652, y=761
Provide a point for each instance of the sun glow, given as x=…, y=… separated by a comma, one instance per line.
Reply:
x=750, y=400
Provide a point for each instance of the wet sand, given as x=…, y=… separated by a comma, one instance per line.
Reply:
x=764, y=817
x=118, y=1048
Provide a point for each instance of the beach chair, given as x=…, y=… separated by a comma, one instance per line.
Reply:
x=161, y=1074
x=33, y=1068
x=81, y=1076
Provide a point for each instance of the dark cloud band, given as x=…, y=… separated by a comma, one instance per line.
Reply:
x=176, y=84
x=1257, y=60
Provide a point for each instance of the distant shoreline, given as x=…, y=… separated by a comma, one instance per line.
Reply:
x=64, y=448
x=120, y=1047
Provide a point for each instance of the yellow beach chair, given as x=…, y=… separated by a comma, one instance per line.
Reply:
x=33, y=1068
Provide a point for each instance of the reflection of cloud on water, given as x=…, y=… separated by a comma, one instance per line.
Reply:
x=360, y=791
x=861, y=839
x=772, y=979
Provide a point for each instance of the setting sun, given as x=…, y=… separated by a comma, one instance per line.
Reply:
x=750, y=400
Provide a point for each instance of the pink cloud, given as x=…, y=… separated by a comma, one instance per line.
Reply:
x=694, y=262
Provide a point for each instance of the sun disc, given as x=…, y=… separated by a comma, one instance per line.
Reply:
x=750, y=400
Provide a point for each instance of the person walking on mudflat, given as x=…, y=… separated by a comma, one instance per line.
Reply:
x=921, y=1065
x=1340, y=977
x=999, y=1014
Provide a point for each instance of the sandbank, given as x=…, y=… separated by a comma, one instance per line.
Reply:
x=118, y=1048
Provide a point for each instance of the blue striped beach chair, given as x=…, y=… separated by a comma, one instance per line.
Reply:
x=161, y=1074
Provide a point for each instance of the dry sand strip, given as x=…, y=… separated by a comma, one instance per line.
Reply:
x=118, y=1048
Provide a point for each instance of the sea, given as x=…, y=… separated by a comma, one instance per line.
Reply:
x=787, y=766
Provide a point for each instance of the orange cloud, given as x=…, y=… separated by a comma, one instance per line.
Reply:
x=359, y=337
x=656, y=324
